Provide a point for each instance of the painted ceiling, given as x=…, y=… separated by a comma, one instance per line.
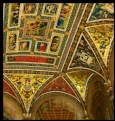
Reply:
x=54, y=47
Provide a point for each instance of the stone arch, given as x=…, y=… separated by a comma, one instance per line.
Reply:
x=54, y=106
x=96, y=98
x=111, y=67
x=11, y=108
x=110, y=83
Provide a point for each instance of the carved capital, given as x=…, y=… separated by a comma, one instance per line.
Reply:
x=27, y=116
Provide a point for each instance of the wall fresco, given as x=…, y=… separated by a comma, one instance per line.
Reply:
x=41, y=38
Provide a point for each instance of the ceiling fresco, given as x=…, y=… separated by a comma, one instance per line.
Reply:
x=27, y=84
x=8, y=89
x=59, y=84
x=55, y=47
x=84, y=56
x=37, y=37
x=102, y=11
x=80, y=78
x=106, y=35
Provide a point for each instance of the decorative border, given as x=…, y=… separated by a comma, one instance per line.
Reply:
x=110, y=51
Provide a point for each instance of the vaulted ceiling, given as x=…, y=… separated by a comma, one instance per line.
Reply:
x=50, y=47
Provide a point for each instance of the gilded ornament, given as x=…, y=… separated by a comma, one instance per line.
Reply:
x=5, y=30
x=37, y=17
x=31, y=53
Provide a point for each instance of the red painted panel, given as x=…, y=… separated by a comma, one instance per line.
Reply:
x=8, y=88
x=30, y=59
x=58, y=84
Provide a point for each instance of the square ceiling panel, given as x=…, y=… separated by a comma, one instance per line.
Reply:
x=36, y=35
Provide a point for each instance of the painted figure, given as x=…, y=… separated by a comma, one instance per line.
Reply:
x=36, y=28
x=108, y=7
x=84, y=56
x=50, y=9
x=41, y=46
x=12, y=42
x=55, y=43
x=28, y=84
x=14, y=14
x=24, y=45
x=29, y=8
x=64, y=16
x=61, y=20
x=102, y=11
x=27, y=90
